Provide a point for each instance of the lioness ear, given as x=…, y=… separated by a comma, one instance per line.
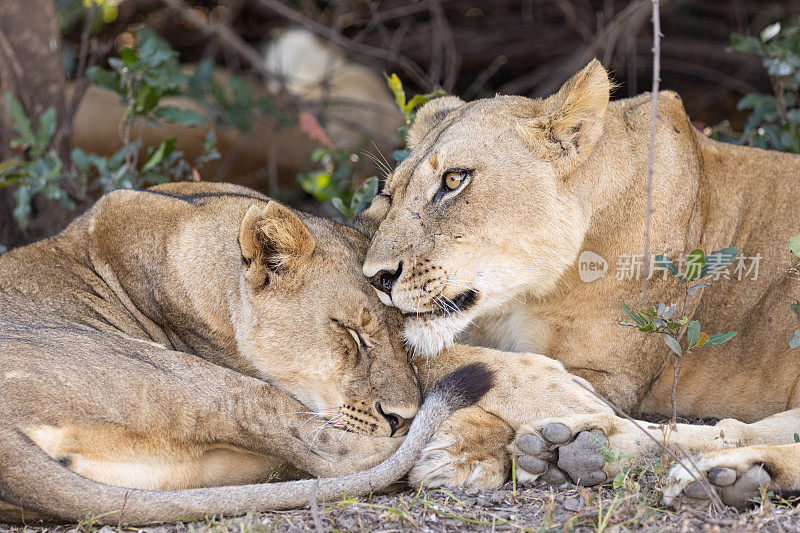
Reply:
x=575, y=117
x=429, y=115
x=273, y=240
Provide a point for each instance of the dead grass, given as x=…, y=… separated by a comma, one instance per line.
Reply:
x=632, y=507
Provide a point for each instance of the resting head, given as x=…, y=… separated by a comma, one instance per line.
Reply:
x=254, y=285
x=340, y=350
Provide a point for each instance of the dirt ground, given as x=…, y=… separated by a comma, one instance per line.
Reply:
x=633, y=507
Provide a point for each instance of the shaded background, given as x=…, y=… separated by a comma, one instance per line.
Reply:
x=469, y=48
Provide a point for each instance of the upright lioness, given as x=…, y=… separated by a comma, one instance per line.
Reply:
x=476, y=238
x=194, y=335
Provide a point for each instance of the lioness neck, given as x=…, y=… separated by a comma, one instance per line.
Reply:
x=165, y=273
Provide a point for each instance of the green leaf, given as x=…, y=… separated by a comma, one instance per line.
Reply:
x=421, y=99
x=200, y=80
x=184, y=117
x=146, y=99
x=691, y=333
x=105, y=79
x=770, y=31
x=317, y=184
x=128, y=55
x=396, y=86
x=364, y=194
x=673, y=344
x=673, y=326
x=159, y=154
x=338, y=203
x=22, y=209
x=21, y=122
x=694, y=264
x=636, y=318
x=794, y=244
x=719, y=338
x=47, y=127
x=79, y=159
x=746, y=44
x=794, y=342
x=664, y=262
x=718, y=259
x=400, y=155
x=796, y=437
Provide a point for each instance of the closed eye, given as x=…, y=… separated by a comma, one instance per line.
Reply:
x=360, y=342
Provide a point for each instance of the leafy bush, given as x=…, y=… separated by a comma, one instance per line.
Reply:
x=673, y=328
x=774, y=120
x=408, y=109
x=37, y=170
x=142, y=76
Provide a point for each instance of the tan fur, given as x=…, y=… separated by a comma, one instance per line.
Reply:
x=551, y=178
x=194, y=335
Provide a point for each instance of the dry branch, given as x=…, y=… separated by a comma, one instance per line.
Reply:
x=651, y=152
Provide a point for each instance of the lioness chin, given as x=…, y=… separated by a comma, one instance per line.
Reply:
x=476, y=238
x=193, y=335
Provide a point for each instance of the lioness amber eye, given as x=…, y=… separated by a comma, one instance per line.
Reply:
x=452, y=180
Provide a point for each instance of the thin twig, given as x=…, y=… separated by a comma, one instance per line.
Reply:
x=315, y=508
x=484, y=76
x=651, y=156
x=708, y=519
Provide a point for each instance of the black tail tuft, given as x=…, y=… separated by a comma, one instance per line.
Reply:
x=465, y=385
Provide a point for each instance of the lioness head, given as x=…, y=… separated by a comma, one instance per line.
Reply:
x=314, y=327
x=483, y=211
x=253, y=285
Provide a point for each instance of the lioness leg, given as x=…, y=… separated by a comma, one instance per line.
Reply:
x=122, y=392
x=468, y=450
x=737, y=475
x=576, y=444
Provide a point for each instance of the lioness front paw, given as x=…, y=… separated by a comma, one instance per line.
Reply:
x=468, y=451
x=553, y=455
x=737, y=487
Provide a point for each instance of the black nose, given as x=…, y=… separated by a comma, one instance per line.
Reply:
x=395, y=421
x=384, y=279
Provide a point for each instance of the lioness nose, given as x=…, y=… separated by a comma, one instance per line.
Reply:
x=384, y=280
x=396, y=422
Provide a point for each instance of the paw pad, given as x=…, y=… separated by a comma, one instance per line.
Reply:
x=557, y=458
x=734, y=489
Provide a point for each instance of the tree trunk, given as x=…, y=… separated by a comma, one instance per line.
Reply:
x=31, y=69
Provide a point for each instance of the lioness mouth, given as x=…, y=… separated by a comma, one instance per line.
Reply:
x=458, y=304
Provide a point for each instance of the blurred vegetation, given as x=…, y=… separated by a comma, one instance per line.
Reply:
x=142, y=76
x=773, y=120
x=145, y=70
x=332, y=182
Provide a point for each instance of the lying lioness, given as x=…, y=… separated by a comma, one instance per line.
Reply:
x=194, y=335
x=476, y=238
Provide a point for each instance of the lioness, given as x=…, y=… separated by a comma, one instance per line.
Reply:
x=476, y=239
x=191, y=335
